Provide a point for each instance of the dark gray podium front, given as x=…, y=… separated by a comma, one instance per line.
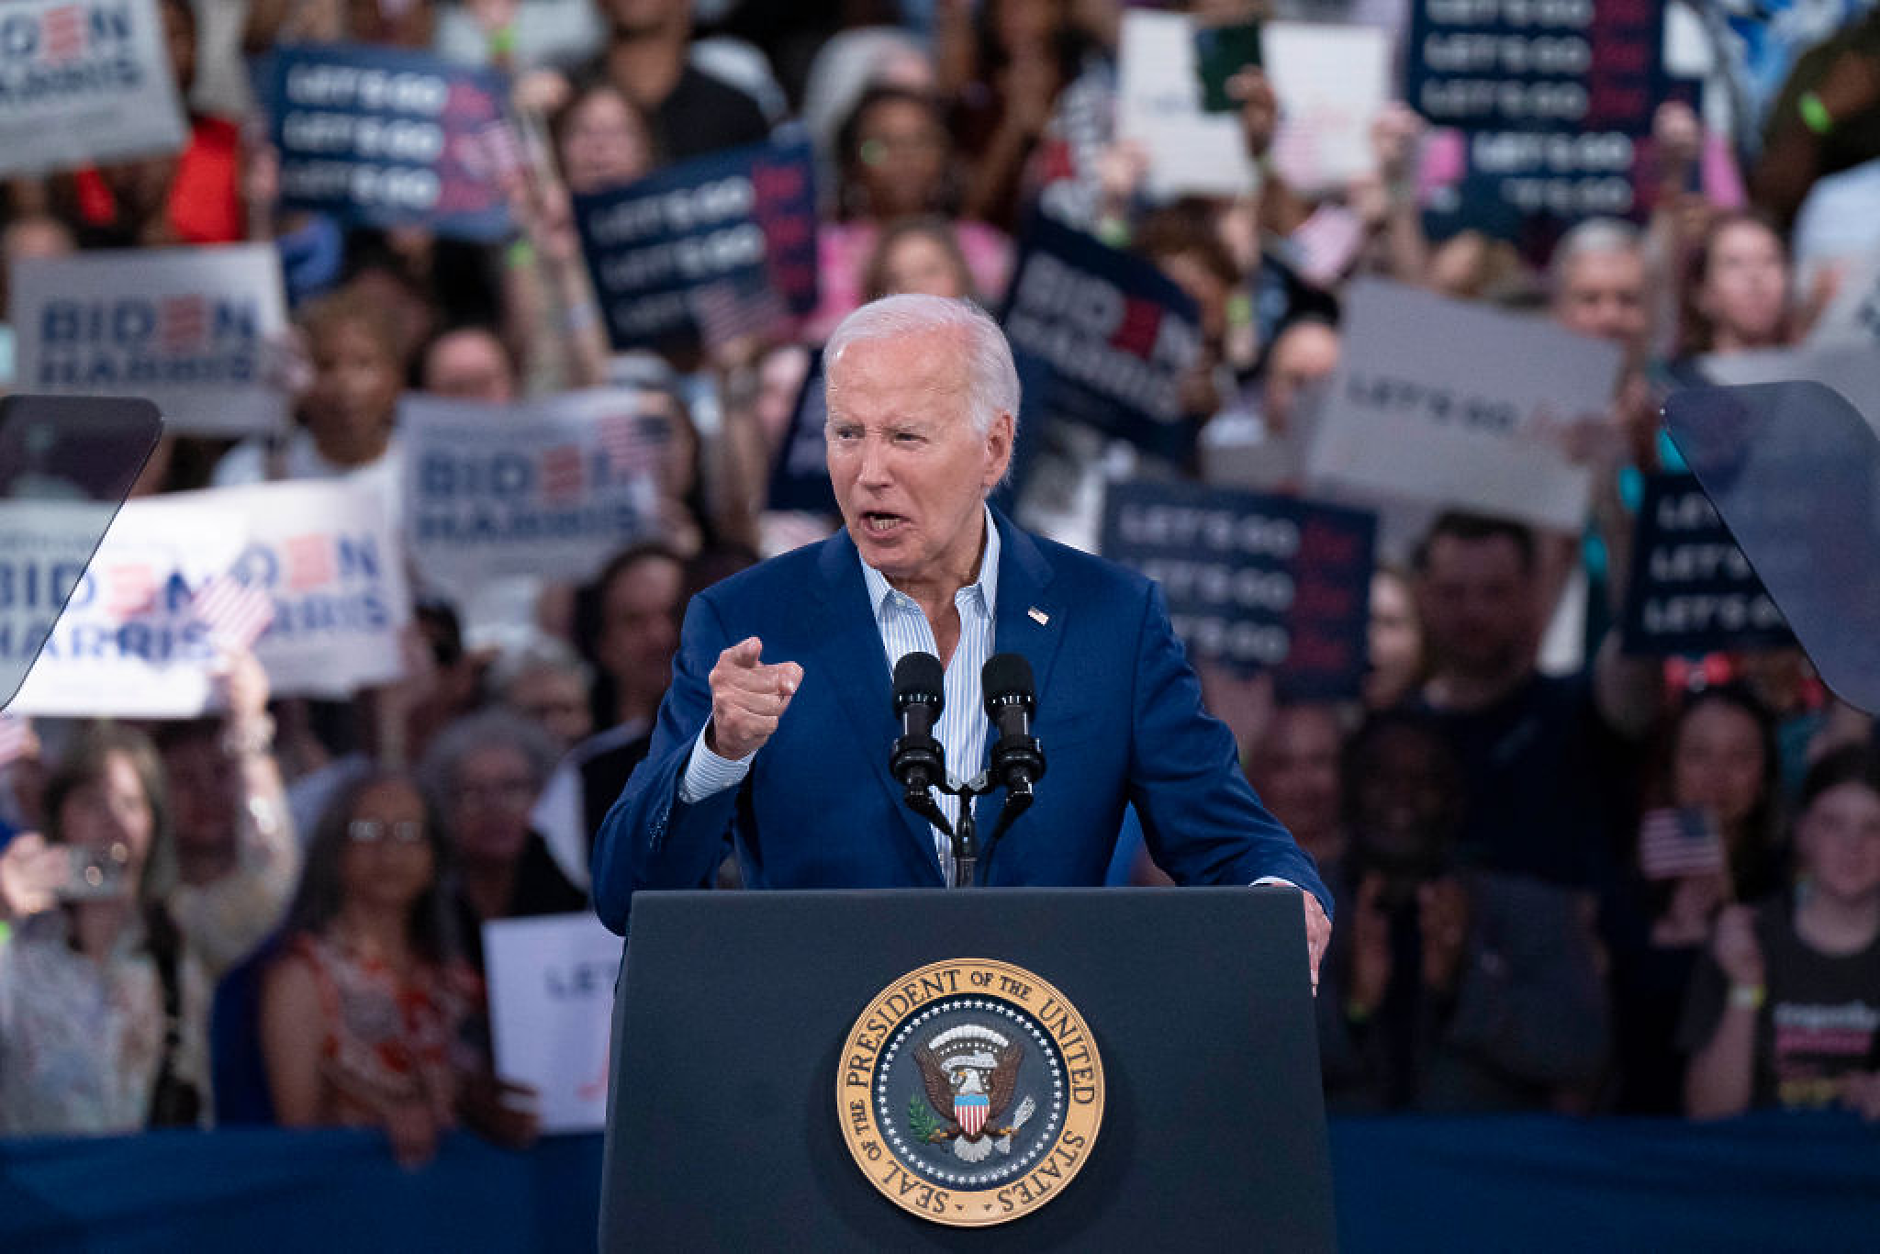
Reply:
x=733, y=1010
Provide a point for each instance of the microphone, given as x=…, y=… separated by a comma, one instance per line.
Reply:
x=1011, y=700
x=918, y=761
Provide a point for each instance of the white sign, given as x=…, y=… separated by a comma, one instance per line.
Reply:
x=1332, y=81
x=1853, y=316
x=549, y=488
x=327, y=552
x=190, y=328
x=84, y=81
x=128, y=644
x=1159, y=106
x=551, y=1012
x=1451, y=404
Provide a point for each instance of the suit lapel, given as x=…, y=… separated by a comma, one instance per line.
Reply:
x=855, y=665
x=1029, y=621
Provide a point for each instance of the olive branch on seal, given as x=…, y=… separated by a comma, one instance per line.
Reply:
x=921, y=1119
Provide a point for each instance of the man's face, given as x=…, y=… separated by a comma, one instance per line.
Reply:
x=1478, y=605
x=910, y=472
x=1602, y=294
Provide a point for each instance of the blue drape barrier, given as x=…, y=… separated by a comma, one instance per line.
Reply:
x=1533, y=1184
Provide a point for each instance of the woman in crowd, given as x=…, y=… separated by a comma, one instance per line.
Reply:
x=1735, y=297
x=921, y=254
x=370, y=1018
x=1785, y=1009
x=350, y=411
x=97, y=990
x=483, y=774
x=124, y=922
x=1718, y=758
x=895, y=161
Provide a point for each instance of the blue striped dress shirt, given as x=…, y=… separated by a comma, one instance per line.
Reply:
x=904, y=629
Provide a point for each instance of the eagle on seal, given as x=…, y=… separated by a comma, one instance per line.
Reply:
x=970, y=1074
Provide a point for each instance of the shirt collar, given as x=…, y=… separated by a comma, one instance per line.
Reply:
x=986, y=586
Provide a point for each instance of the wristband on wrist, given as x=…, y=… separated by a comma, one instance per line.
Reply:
x=1814, y=114
x=520, y=255
x=1356, y=1013
x=502, y=41
x=1747, y=996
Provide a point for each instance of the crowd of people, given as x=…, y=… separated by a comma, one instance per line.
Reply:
x=273, y=913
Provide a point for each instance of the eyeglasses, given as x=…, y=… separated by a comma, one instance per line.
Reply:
x=372, y=831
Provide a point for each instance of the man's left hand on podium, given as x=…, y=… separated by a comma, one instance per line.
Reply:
x=1318, y=935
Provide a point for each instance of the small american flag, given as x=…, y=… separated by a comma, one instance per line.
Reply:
x=630, y=445
x=62, y=33
x=16, y=735
x=1328, y=242
x=1679, y=844
x=727, y=309
x=235, y=613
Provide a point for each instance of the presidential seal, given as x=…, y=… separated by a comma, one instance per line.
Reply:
x=970, y=1092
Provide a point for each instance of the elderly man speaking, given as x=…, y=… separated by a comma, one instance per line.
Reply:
x=776, y=731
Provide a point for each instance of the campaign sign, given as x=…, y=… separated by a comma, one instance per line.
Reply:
x=1455, y=405
x=1159, y=105
x=548, y=488
x=1853, y=316
x=799, y=479
x=728, y=237
x=129, y=643
x=327, y=552
x=1116, y=333
x=381, y=137
x=1552, y=95
x=84, y=81
x=551, y=1013
x=1255, y=582
x=1692, y=591
x=192, y=329
x=1332, y=81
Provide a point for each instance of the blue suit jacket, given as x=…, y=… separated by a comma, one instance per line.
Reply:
x=1119, y=719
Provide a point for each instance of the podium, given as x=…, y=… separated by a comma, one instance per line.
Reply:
x=741, y=1017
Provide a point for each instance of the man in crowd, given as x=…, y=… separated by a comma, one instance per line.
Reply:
x=775, y=734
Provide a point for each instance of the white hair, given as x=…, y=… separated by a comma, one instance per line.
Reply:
x=1592, y=237
x=991, y=377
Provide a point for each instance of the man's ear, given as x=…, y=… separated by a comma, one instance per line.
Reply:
x=999, y=449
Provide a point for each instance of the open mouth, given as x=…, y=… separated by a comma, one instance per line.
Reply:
x=877, y=522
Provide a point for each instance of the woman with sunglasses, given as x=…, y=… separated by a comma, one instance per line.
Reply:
x=369, y=1018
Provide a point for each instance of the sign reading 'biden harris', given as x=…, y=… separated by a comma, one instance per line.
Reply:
x=1116, y=334
x=970, y=1092
x=83, y=81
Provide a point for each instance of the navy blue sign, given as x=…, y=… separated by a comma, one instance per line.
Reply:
x=1115, y=333
x=382, y=137
x=1691, y=590
x=1255, y=582
x=1552, y=95
x=800, y=478
x=706, y=250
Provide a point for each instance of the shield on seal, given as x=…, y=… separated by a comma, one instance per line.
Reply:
x=971, y=1110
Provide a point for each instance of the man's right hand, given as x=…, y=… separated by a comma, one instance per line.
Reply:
x=748, y=698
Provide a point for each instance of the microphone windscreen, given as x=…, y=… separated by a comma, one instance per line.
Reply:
x=919, y=677
x=1007, y=676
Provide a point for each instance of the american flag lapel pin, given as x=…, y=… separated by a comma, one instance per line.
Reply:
x=1037, y=616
